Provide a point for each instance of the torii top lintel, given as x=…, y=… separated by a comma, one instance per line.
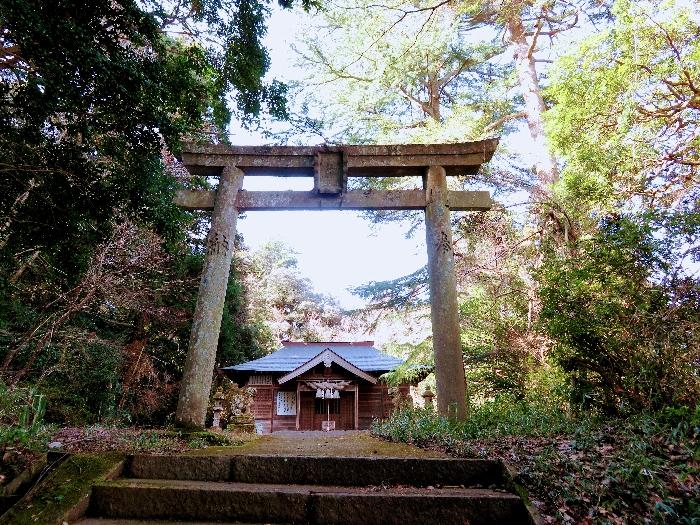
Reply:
x=331, y=166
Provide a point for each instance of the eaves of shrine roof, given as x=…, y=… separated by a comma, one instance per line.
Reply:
x=292, y=355
x=327, y=357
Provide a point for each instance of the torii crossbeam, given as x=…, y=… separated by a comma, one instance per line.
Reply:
x=330, y=166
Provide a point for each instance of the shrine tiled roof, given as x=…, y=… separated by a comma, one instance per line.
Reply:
x=292, y=355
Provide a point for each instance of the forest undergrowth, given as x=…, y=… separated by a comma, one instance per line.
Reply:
x=25, y=435
x=576, y=467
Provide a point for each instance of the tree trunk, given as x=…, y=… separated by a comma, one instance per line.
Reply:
x=545, y=164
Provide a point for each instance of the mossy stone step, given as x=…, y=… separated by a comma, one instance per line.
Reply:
x=309, y=504
x=108, y=521
x=310, y=470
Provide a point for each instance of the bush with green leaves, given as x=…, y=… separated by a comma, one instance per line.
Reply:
x=625, y=320
x=499, y=350
x=85, y=386
x=538, y=414
x=638, y=469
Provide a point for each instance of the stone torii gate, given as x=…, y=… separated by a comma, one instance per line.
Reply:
x=330, y=167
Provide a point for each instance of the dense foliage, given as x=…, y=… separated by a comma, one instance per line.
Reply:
x=625, y=321
x=587, y=272
x=579, y=294
x=98, y=269
x=579, y=317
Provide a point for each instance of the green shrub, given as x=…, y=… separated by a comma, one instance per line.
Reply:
x=503, y=416
x=624, y=321
x=85, y=387
x=638, y=469
x=22, y=416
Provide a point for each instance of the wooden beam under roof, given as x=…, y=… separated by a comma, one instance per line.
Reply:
x=358, y=161
x=351, y=200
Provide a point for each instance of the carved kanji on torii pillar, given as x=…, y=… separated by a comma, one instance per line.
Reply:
x=331, y=167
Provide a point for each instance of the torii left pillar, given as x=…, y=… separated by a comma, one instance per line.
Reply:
x=201, y=358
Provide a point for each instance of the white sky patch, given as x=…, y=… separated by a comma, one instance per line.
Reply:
x=338, y=249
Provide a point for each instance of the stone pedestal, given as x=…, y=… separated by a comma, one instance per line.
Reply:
x=243, y=423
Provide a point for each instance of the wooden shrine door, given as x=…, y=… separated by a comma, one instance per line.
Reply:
x=314, y=411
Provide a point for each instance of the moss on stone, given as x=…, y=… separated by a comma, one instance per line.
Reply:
x=212, y=438
x=67, y=487
x=347, y=444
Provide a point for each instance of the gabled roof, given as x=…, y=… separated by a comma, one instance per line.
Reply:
x=326, y=357
x=292, y=355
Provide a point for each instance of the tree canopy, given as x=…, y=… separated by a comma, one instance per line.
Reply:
x=601, y=97
x=97, y=265
x=579, y=292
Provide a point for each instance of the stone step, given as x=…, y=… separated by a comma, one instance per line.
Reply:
x=305, y=470
x=110, y=521
x=148, y=499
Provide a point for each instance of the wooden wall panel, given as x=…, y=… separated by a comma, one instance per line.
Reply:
x=306, y=421
x=346, y=421
x=285, y=423
x=375, y=403
x=262, y=403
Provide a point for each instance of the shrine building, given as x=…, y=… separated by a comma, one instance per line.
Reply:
x=319, y=386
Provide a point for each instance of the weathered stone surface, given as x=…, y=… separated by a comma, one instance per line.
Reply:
x=475, y=507
x=312, y=504
x=351, y=200
x=199, y=366
x=310, y=489
x=485, y=147
x=449, y=367
x=195, y=468
x=358, y=161
x=358, y=472
x=64, y=494
x=198, y=500
x=331, y=167
x=330, y=172
x=107, y=521
x=310, y=470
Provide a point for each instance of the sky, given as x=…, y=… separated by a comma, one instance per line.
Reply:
x=337, y=250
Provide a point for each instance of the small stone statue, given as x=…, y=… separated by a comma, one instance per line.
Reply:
x=232, y=407
x=398, y=398
x=217, y=409
x=241, y=400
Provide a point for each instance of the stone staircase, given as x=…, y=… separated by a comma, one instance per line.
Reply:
x=307, y=490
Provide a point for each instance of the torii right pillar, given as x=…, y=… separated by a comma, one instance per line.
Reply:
x=447, y=348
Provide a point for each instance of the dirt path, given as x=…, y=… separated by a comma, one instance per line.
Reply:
x=345, y=444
